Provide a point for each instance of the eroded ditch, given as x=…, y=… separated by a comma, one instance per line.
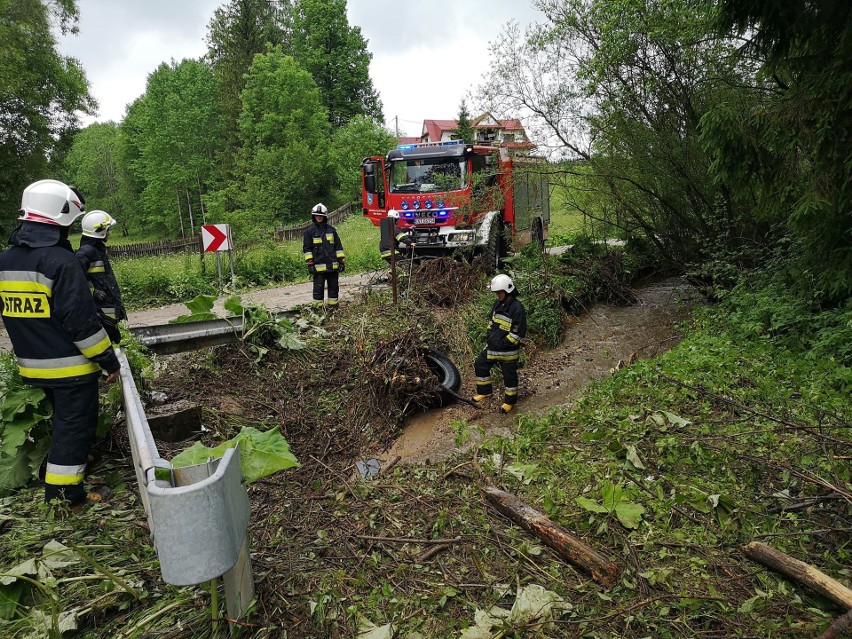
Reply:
x=600, y=340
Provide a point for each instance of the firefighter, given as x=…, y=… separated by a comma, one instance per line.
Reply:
x=57, y=337
x=399, y=237
x=324, y=256
x=92, y=255
x=503, y=343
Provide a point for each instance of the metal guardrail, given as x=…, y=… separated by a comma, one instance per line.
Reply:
x=177, y=338
x=198, y=515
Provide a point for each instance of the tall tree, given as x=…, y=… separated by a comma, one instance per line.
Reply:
x=284, y=128
x=41, y=93
x=787, y=149
x=336, y=55
x=237, y=32
x=465, y=127
x=94, y=164
x=622, y=86
x=359, y=138
x=174, y=135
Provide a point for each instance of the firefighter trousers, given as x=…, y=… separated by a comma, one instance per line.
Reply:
x=332, y=277
x=75, y=421
x=509, y=367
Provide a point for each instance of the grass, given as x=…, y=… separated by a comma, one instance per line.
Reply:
x=149, y=281
x=668, y=467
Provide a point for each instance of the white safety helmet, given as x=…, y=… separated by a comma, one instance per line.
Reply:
x=320, y=209
x=394, y=214
x=51, y=202
x=502, y=283
x=97, y=224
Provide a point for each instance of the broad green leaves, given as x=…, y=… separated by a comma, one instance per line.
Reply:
x=615, y=502
x=24, y=439
x=261, y=454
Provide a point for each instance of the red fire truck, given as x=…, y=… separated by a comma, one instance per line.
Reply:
x=453, y=196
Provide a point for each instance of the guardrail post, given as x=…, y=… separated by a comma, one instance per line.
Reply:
x=198, y=515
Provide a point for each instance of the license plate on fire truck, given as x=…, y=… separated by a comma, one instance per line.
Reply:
x=424, y=220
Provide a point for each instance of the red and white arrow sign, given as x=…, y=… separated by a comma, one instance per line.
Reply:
x=216, y=237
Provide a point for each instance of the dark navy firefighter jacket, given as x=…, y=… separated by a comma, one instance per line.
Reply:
x=507, y=329
x=322, y=245
x=49, y=312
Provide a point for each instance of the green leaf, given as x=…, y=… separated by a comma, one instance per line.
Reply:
x=261, y=454
x=675, y=419
x=234, y=305
x=629, y=514
x=14, y=472
x=611, y=494
x=10, y=595
x=588, y=504
x=57, y=555
x=633, y=457
x=526, y=473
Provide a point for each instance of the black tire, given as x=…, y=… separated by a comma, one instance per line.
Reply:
x=492, y=252
x=448, y=377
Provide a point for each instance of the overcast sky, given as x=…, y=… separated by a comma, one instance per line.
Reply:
x=427, y=54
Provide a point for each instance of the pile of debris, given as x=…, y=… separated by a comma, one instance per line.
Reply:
x=446, y=282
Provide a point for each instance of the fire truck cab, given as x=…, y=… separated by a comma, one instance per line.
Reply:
x=453, y=196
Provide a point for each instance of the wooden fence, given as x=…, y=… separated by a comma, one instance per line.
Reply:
x=168, y=247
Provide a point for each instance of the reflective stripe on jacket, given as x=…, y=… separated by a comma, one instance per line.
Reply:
x=508, y=326
x=322, y=245
x=93, y=257
x=50, y=316
x=385, y=240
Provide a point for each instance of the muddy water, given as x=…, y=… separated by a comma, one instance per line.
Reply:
x=601, y=340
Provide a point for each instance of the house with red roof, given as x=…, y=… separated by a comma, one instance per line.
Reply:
x=487, y=128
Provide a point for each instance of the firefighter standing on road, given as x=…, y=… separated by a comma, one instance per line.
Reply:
x=92, y=255
x=503, y=343
x=57, y=337
x=399, y=237
x=324, y=256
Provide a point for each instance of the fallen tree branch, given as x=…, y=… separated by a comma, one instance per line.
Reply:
x=409, y=540
x=800, y=572
x=569, y=547
x=839, y=627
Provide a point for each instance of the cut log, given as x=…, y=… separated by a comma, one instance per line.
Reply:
x=839, y=627
x=569, y=547
x=800, y=572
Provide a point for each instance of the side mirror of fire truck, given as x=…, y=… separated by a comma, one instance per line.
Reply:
x=369, y=182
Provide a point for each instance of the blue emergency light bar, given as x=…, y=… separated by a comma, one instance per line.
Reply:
x=408, y=147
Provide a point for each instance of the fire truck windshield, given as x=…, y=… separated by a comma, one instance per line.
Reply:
x=428, y=175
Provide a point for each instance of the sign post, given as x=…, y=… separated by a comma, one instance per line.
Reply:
x=217, y=237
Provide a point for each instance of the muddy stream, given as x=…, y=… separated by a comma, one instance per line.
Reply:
x=599, y=341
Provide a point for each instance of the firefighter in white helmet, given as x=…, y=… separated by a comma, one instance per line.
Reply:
x=57, y=337
x=93, y=257
x=391, y=237
x=503, y=344
x=324, y=256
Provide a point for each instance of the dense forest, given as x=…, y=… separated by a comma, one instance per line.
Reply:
x=274, y=117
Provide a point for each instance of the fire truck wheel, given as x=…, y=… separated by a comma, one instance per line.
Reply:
x=448, y=377
x=491, y=252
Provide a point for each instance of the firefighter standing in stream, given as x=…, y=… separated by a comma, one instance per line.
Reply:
x=503, y=343
x=324, y=256
x=56, y=334
x=92, y=255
